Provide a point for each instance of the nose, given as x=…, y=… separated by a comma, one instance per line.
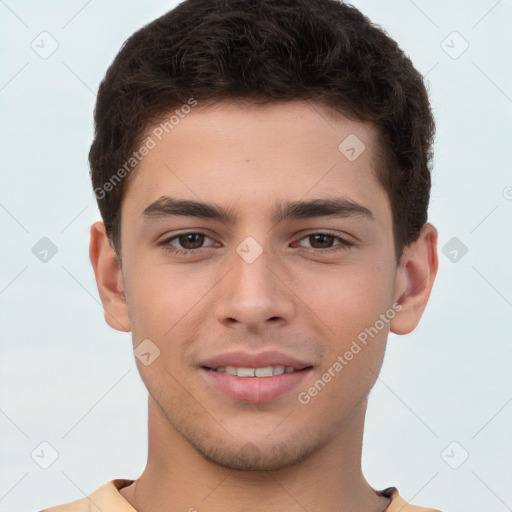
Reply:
x=254, y=293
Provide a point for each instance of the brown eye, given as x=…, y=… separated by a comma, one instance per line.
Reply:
x=184, y=243
x=191, y=240
x=323, y=242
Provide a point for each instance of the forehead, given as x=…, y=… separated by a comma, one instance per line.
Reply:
x=253, y=156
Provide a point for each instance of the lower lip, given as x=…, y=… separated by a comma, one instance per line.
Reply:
x=254, y=389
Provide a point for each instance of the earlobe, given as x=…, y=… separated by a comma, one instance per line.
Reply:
x=109, y=279
x=415, y=278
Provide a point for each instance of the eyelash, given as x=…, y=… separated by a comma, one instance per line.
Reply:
x=166, y=244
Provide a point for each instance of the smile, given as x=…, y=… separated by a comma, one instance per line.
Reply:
x=256, y=385
x=266, y=371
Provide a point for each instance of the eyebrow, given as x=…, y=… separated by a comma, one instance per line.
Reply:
x=167, y=206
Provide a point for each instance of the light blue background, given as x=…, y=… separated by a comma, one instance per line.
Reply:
x=69, y=379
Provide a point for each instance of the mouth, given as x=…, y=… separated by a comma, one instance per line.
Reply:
x=265, y=371
x=255, y=384
x=254, y=377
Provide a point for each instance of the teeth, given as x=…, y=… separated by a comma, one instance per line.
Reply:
x=263, y=372
x=278, y=370
x=245, y=372
x=267, y=371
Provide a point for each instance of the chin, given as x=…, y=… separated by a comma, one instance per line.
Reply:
x=250, y=457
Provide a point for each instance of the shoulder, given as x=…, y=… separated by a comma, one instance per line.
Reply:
x=398, y=504
x=106, y=498
x=81, y=505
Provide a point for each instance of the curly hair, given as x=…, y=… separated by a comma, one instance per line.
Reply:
x=268, y=50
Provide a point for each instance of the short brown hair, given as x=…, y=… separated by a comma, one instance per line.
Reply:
x=268, y=50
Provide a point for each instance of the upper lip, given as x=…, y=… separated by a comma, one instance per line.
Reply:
x=240, y=359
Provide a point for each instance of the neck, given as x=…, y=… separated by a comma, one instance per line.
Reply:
x=178, y=478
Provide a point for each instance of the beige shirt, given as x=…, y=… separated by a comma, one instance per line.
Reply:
x=108, y=499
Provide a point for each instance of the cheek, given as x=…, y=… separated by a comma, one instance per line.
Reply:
x=165, y=301
x=348, y=300
x=351, y=305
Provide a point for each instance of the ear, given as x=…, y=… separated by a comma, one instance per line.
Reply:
x=415, y=278
x=109, y=279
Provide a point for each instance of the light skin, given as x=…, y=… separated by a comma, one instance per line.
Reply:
x=209, y=451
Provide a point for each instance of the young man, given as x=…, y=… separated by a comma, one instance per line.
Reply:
x=263, y=173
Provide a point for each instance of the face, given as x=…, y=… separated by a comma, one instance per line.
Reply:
x=288, y=267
